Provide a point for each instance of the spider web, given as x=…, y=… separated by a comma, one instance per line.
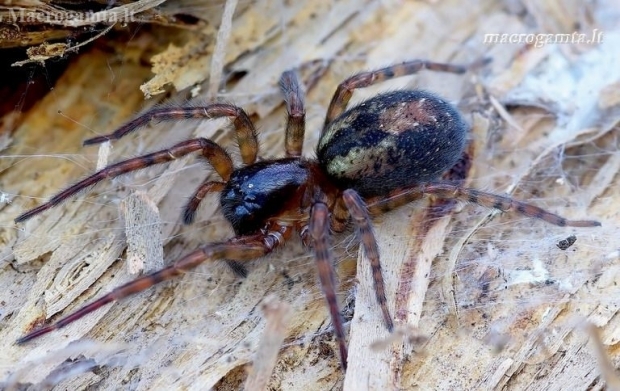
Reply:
x=510, y=282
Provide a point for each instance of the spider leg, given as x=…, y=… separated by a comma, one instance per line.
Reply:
x=357, y=208
x=240, y=249
x=319, y=233
x=296, y=114
x=449, y=191
x=246, y=133
x=345, y=89
x=215, y=155
x=237, y=268
x=340, y=215
x=192, y=206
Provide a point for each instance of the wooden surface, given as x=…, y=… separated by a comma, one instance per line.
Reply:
x=482, y=303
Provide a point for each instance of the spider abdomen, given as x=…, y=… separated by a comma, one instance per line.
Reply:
x=393, y=140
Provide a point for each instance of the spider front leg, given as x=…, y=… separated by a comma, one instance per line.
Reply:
x=192, y=206
x=244, y=248
x=212, y=152
x=449, y=191
x=246, y=133
x=344, y=92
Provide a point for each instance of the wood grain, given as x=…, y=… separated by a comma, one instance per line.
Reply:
x=493, y=303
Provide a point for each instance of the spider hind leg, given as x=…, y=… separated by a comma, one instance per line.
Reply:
x=357, y=209
x=451, y=191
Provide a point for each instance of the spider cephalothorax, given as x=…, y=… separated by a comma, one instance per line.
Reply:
x=255, y=193
x=376, y=156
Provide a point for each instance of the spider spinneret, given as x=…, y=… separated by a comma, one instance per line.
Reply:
x=383, y=153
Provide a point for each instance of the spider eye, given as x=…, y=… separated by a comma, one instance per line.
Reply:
x=241, y=210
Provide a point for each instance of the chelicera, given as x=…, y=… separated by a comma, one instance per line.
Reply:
x=383, y=153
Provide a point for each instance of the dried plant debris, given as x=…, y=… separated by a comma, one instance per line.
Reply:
x=557, y=79
x=503, y=331
x=278, y=315
x=564, y=244
x=60, y=27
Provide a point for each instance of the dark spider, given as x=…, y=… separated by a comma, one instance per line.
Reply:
x=381, y=154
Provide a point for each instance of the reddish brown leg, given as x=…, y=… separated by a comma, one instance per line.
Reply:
x=201, y=192
x=345, y=90
x=215, y=155
x=246, y=133
x=296, y=114
x=449, y=191
x=357, y=209
x=239, y=249
x=382, y=204
x=340, y=216
x=319, y=233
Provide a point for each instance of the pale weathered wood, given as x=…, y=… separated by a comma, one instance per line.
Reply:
x=515, y=320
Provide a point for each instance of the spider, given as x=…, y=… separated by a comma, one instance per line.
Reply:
x=381, y=154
